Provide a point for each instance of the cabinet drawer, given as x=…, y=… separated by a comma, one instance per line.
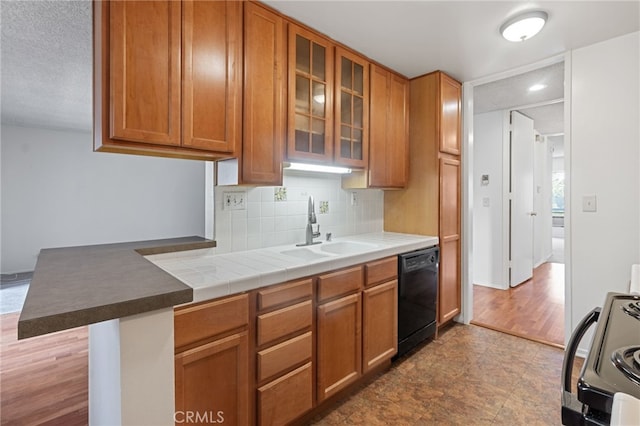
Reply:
x=339, y=283
x=381, y=270
x=285, y=293
x=281, y=357
x=198, y=322
x=282, y=322
x=286, y=398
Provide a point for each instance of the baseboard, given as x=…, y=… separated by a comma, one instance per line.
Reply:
x=497, y=287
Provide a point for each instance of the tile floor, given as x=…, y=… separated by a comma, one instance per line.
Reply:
x=13, y=291
x=469, y=376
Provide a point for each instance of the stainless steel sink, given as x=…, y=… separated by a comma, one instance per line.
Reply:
x=346, y=247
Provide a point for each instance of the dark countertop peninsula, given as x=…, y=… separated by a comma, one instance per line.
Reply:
x=76, y=286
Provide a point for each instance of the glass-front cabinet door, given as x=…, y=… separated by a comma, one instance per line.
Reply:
x=352, y=109
x=310, y=136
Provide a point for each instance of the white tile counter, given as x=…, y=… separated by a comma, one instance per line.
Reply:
x=214, y=275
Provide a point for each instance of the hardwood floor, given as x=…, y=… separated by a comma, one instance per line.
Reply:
x=44, y=380
x=533, y=310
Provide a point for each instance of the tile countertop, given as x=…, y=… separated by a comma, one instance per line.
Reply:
x=214, y=275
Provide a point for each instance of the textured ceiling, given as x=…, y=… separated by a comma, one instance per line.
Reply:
x=46, y=64
x=46, y=46
x=513, y=92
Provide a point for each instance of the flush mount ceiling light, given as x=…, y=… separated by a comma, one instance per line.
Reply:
x=316, y=168
x=524, y=26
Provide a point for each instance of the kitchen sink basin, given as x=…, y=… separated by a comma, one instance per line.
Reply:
x=304, y=253
x=346, y=247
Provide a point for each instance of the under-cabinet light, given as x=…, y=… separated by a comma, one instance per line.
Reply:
x=316, y=168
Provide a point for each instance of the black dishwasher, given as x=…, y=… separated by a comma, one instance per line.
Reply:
x=417, y=297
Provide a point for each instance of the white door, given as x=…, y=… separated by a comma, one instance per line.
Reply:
x=521, y=217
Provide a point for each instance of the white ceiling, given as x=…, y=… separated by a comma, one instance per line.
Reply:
x=46, y=46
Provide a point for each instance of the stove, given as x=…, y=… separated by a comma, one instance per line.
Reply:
x=612, y=364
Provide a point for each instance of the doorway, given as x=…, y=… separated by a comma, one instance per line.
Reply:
x=518, y=283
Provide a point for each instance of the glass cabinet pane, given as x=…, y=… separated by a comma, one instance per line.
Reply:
x=345, y=108
x=303, y=54
x=302, y=94
x=357, y=144
x=357, y=111
x=318, y=99
x=358, y=79
x=346, y=79
x=317, y=136
x=345, y=141
x=318, y=61
x=302, y=133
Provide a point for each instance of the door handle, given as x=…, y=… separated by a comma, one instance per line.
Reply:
x=533, y=214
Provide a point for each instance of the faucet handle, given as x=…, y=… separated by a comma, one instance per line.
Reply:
x=317, y=233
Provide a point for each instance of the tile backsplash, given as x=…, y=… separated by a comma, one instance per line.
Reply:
x=278, y=215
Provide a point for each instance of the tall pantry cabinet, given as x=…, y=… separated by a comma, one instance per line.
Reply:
x=430, y=204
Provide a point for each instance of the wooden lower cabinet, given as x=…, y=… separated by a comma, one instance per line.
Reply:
x=379, y=324
x=278, y=354
x=449, y=294
x=287, y=397
x=339, y=344
x=212, y=382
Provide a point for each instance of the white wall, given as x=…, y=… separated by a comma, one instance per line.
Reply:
x=266, y=222
x=488, y=253
x=490, y=223
x=605, y=152
x=57, y=192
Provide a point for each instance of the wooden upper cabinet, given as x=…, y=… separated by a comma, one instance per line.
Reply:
x=351, y=109
x=145, y=71
x=450, y=112
x=168, y=78
x=310, y=136
x=388, y=155
x=211, y=74
x=264, y=114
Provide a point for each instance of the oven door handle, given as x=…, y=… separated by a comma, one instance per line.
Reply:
x=571, y=407
x=567, y=364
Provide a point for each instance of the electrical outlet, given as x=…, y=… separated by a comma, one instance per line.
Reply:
x=236, y=200
x=354, y=199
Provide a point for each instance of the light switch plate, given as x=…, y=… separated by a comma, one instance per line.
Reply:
x=236, y=200
x=589, y=203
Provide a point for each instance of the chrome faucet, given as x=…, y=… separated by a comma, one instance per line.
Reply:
x=311, y=220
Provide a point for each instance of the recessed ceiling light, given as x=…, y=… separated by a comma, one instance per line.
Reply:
x=537, y=87
x=524, y=26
